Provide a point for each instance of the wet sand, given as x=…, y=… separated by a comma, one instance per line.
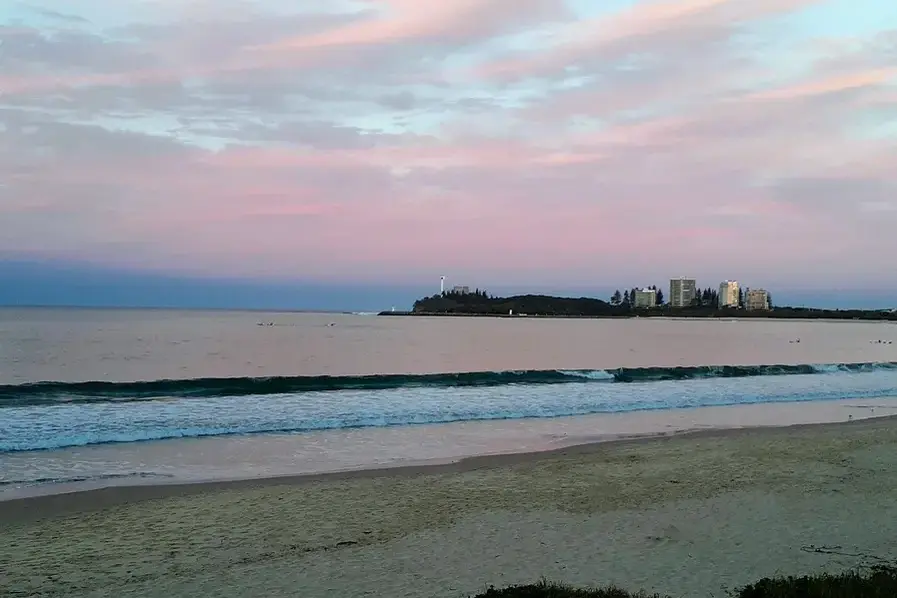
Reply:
x=687, y=514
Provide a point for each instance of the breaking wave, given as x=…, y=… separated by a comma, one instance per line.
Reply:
x=53, y=415
x=43, y=393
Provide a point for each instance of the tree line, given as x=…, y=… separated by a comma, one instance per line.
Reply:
x=627, y=299
x=480, y=302
x=708, y=297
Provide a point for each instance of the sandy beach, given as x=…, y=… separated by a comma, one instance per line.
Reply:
x=688, y=515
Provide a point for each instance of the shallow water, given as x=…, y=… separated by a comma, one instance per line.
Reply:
x=269, y=455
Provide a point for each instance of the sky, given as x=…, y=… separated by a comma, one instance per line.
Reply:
x=361, y=149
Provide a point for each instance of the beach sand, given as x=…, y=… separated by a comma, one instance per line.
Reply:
x=689, y=515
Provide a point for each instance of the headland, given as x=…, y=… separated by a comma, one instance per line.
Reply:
x=481, y=304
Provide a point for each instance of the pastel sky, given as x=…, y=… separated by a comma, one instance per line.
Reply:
x=558, y=143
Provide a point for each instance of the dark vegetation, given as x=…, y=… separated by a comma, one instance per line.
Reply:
x=481, y=303
x=878, y=583
x=550, y=590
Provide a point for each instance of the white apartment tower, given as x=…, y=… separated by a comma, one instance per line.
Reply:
x=645, y=298
x=682, y=292
x=728, y=294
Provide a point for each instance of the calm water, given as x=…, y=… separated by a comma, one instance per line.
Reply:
x=121, y=431
x=71, y=345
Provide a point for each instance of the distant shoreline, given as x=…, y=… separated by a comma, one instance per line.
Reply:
x=783, y=314
x=740, y=316
x=480, y=303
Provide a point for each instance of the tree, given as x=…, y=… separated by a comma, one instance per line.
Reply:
x=626, y=300
x=768, y=301
x=616, y=298
x=659, y=294
x=632, y=296
x=740, y=297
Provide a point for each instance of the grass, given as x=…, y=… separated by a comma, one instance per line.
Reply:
x=879, y=583
x=545, y=589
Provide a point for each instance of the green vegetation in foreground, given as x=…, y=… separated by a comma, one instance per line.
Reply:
x=880, y=583
x=480, y=303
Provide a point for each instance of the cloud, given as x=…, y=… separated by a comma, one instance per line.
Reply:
x=830, y=85
x=403, y=21
x=512, y=141
x=642, y=28
x=837, y=194
x=55, y=15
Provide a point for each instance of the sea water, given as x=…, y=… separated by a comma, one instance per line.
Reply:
x=104, y=393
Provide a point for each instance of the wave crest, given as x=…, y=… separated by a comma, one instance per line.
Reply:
x=48, y=393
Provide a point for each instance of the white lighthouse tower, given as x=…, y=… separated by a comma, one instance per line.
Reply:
x=442, y=285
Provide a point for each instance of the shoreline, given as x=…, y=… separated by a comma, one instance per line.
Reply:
x=79, y=501
x=890, y=318
x=692, y=514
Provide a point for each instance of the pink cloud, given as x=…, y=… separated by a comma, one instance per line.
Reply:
x=672, y=164
x=401, y=22
x=686, y=20
x=739, y=129
x=408, y=20
x=478, y=152
x=834, y=84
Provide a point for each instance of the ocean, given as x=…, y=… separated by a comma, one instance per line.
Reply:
x=95, y=397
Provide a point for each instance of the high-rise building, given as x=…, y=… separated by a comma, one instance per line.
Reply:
x=682, y=292
x=728, y=293
x=645, y=298
x=756, y=299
